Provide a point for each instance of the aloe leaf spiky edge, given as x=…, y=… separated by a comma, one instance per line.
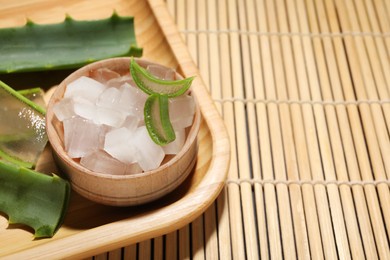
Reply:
x=43, y=203
x=136, y=69
x=70, y=34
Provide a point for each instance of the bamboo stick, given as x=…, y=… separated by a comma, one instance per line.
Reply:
x=379, y=63
x=192, y=44
x=181, y=18
x=384, y=20
x=102, y=256
x=171, y=7
x=203, y=54
x=335, y=138
x=197, y=239
x=299, y=136
x=130, y=252
x=223, y=246
x=368, y=13
x=184, y=242
x=144, y=249
x=312, y=139
x=210, y=233
x=158, y=248
x=368, y=91
x=243, y=126
x=115, y=254
x=271, y=210
x=191, y=16
x=211, y=240
x=252, y=77
x=171, y=245
x=365, y=115
x=372, y=114
x=224, y=235
x=237, y=233
x=325, y=147
x=287, y=133
x=184, y=233
x=341, y=138
x=300, y=140
x=213, y=50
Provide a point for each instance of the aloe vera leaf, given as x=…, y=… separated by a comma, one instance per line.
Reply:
x=22, y=128
x=153, y=85
x=70, y=44
x=156, y=115
x=34, y=199
x=30, y=91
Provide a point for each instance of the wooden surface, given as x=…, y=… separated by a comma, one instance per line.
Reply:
x=303, y=88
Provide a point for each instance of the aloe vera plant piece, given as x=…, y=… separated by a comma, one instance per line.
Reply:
x=34, y=199
x=153, y=85
x=158, y=124
x=65, y=45
x=22, y=128
x=35, y=95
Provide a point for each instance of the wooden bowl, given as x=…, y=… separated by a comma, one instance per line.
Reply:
x=119, y=190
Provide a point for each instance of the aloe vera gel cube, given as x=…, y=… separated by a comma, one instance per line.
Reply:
x=175, y=146
x=81, y=136
x=100, y=161
x=118, y=145
x=104, y=122
x=161, y=72
x=84, y=87
x=149, y=154
x=181, y=111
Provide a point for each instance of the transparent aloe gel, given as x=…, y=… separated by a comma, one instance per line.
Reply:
x=36, y=95
x=22, y=128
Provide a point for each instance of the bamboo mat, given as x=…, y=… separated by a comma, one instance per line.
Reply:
x=303, y=87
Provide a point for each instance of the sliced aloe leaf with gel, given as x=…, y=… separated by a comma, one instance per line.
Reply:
x=22, y=128
x=153, y=85
x=36, y=95
x=156, y=115
x=34, y=199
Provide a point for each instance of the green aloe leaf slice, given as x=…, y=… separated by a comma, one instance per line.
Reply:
x=152, y=85
x=70, y=44
x=156, y=115
x=33, y=199
x=22, y=128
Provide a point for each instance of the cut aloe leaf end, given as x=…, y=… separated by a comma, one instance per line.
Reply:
x=36, y=95
x=22, y=96
x=152, y=85
x=66, y=45
x=22, y=128
x=157, y=121
x=34, y=199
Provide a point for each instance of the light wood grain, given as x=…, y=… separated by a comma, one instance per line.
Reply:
x=94, y=228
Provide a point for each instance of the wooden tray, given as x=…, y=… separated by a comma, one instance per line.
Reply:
x=90, y=228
